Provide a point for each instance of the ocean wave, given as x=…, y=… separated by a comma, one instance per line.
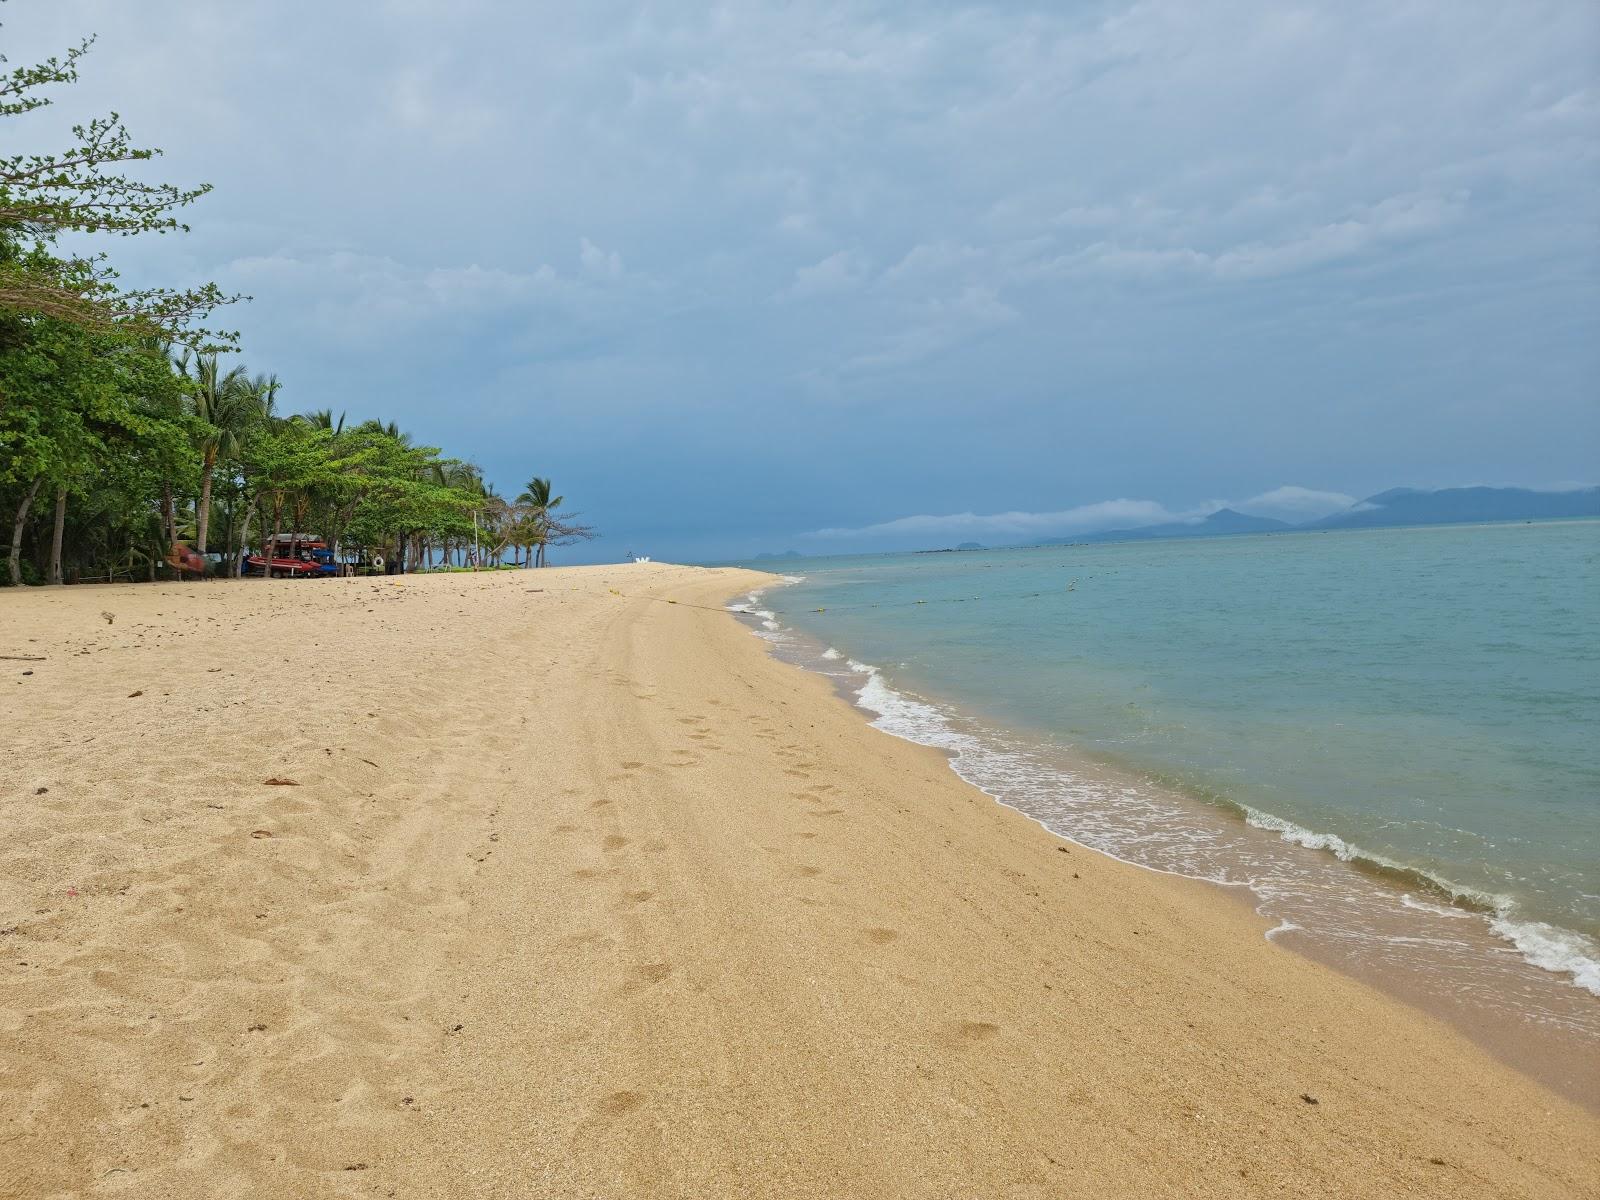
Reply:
x=1438, y=910
x=1558, y=950
x=747, y=605
x=1457, y=894
x=900, y=714
x=831, y=654
x=1548, y=947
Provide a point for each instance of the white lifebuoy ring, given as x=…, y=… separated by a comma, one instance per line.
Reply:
x=377, y=561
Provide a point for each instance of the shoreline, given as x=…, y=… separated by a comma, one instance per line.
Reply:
x=577, y=886
x=1556, y=1044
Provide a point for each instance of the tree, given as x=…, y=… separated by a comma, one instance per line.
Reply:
x=541, y=505
x=226, y=407
x=85, y=189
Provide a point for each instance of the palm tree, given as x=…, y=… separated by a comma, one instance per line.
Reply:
x=323, y=418
x=463, y=477
x=226, y=408
x=263, y=397
x=537, y=497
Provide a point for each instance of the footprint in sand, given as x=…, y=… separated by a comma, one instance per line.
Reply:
x=632, y=765
x=807, y=872
x=614, y=841
x=647, y=975
x=881, y=937
x=618, y=1103
x=640, y=896
x=976, y=1031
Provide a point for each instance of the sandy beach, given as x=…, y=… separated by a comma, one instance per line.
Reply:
x=556, y=884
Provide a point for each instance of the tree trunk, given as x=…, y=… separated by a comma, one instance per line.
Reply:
x=16, y=532
x=202, y=518
x=271, y=552
x=169, y=516
x=244, y=539
x=56, y=533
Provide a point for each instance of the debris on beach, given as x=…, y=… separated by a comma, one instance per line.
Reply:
x=276, y=781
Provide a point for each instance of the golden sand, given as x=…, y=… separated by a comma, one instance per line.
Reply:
x=576, y=892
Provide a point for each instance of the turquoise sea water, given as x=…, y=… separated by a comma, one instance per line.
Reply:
x=1268, y=710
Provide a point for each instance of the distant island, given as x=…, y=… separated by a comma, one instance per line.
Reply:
x=1393, y=508
x=785, y=554
x=961, y=549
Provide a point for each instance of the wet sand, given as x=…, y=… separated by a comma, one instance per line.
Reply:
x=567, y=890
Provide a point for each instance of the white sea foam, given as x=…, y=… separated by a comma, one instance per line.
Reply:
x=1438, y=910
x=831, y=654
x=748, y=604
x=1300, y=836
x=901, y=715
x=863, y=668
x=1558, y=950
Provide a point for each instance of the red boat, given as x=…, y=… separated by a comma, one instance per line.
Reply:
x=292, y=567
x=294, y=556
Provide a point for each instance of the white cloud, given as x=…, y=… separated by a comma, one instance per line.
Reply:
x=840, y=272
x=1395, y=219
x=605, y=264
x=937, y=325
x=1295, y=504
x=1289, y=503
x=1086, y=518
x=367, y=296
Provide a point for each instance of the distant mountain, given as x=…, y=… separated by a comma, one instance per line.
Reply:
x=1452, y=506
x=1219, y=524
x=969, y=546
x=1397, y=506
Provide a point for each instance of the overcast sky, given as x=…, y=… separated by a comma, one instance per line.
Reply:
x=859, y=275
